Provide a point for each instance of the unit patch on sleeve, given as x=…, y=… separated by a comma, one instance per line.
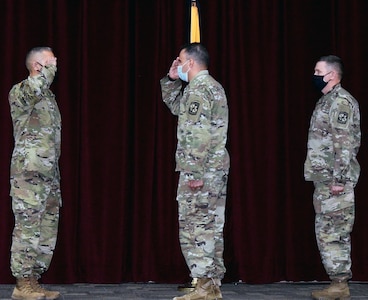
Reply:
x=193, y=108
x=342, y=117
x=341, y=113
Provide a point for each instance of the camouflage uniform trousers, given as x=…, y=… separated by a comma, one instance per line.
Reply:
x=333, y=225
x=36, y=203
x=201, y=223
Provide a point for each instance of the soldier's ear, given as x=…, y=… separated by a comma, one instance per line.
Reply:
x=35, y=66
x=333, y=74
x=191, y=62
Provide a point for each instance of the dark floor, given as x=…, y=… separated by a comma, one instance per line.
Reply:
x=133, y=291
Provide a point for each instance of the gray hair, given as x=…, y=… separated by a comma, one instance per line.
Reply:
x=34, y=51
x=334, y=62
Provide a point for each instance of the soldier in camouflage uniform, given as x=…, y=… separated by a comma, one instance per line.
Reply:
x=35, y=177
x=331, y=163
x=203, y=163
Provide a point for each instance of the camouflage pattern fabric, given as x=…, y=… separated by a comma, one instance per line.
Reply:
x=333, y=144
x=202, y=126
x=35, y=176
x=333, y=239
x=201, y=223
x=201, y=155
x=36, y=212
x=334, y=139
x=324, y=202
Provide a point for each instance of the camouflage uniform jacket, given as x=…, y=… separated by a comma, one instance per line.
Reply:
x=37, y=128
x=334, y=139
x=202, y=123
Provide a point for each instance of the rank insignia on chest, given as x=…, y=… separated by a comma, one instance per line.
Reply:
x=193, y=108
x=342, y=117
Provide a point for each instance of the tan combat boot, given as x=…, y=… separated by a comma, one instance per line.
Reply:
x=218, y=293
x=189, y=286
x=23, y=291
x=49, y=295
x=335, y=291
x=206, y=289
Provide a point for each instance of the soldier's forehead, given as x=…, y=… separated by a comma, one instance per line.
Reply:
x=321, y=65
x=182, y=55
x=43, y=54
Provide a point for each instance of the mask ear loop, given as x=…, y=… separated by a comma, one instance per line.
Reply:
x=40, y=65
x=189, y=67
x=327, y=74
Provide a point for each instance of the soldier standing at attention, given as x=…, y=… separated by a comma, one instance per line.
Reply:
x=331, y=163
x=35, y=177
x=203, y=163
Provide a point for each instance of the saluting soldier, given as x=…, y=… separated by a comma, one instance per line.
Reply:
x=203, y=163
x=35, y=177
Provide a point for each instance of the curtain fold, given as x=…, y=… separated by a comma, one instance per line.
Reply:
x=119, y=216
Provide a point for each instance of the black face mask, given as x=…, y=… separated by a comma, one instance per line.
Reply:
x=318, y=81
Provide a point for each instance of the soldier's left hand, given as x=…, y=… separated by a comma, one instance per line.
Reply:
x=336, y=189
x=195, y=184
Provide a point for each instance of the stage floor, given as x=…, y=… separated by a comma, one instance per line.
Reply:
x=153, y=291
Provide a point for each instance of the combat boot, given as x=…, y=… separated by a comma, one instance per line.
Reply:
x=206, y=289
x=218, y=294
x=335, y=291
x=49, y=295
x=189, y=286
x=24, y=291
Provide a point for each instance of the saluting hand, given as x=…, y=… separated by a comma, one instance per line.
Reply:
x=50, y=61
x=173, y=72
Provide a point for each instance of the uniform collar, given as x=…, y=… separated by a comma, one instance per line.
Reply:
x=200, y=73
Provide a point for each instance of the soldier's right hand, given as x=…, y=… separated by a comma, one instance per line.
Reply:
x=173, y=72
x=51, y=61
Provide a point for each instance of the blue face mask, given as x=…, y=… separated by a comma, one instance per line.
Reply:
x=183, y=76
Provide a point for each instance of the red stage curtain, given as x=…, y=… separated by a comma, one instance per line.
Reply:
x=119, y=219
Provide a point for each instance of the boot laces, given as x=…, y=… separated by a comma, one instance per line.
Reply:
x=36, y=286
x=26, y=286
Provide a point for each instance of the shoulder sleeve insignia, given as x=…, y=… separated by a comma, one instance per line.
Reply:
x=343, y=117
x=193, y=108
x=341, y=113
